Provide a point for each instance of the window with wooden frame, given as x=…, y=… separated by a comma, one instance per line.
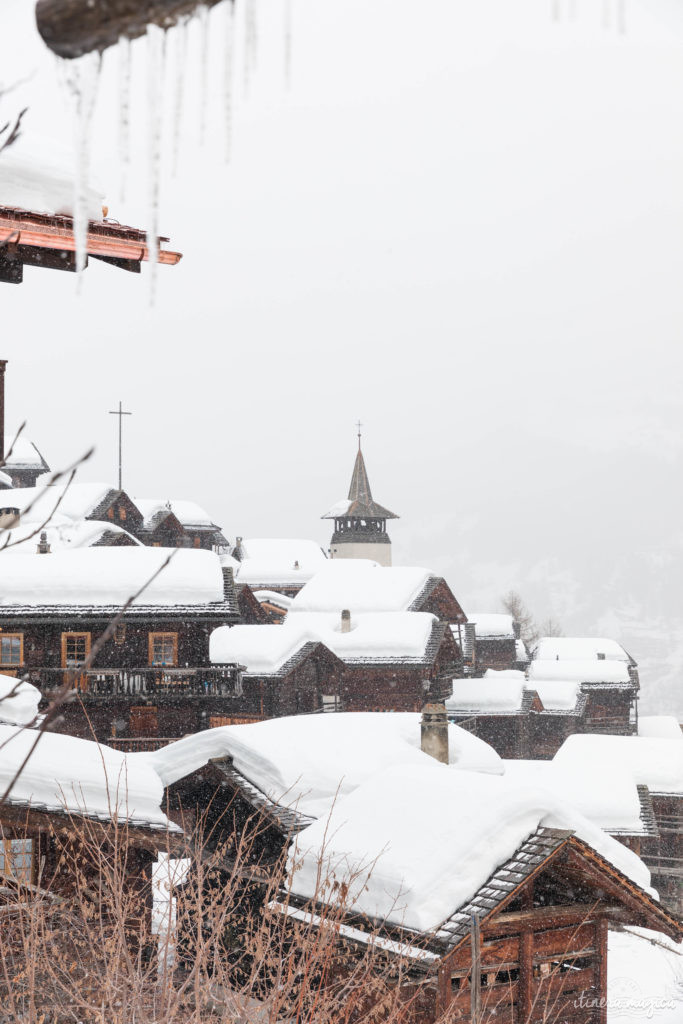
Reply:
x=122, y=513
x=163, y=648
x=197, y=542
x=16, y=859
x=110, y=513
x=75, y=649
x=11, y=650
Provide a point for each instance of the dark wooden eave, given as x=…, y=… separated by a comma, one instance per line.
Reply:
x=73, y=27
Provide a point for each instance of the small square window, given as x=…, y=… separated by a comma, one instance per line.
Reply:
x=11, y=649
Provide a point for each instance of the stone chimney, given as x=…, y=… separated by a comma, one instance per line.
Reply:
x=43, y=547
x=346, y=621
x=435, y=732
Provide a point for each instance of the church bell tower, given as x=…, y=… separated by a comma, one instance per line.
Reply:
x=360, y=524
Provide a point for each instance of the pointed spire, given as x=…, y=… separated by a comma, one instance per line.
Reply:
x=360, y=502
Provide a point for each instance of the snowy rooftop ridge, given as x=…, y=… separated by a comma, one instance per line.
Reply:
x=361, y=586
x=376, y=636
x=269, y=561
x=574, y=648
x=108, y=577
x=649, y=761
x=498, y=625
x=66, y=774
x=592, y=671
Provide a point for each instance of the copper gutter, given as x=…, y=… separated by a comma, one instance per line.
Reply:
x=103, y=239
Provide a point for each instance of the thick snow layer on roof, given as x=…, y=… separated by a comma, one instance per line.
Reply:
x=416, y=841
x=576, y=648
x=556, y=694
x=66, y=773
x=610, y=800
x=645, y=977
x=109, y=576
x=340, y=508
x=64, y=535
x=664, y=726
x=650, y=761
x=308, y=761
x=20, y=451
x=279, y=562
x=361, y=586
x=273, y=597
x=40, y=178
x=497, y=692
x=521, y=653
x=389, y=636
x=75, y=501
x=492, y=624
x=595, y=671
x=18, y=701
x=186, y=512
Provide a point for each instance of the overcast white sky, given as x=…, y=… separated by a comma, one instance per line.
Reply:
x=463, y=222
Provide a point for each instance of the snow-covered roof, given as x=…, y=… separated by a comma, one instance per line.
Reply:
x=69, y=774
x=18, y=701
x=575, y=648
x=65, y=535
x=188, y=513
x=361, y=586
x=663, y=726
x=492, y=624
x=595, y=671
x=610, y=799
x=40, y=178
x=557, y=694
x=496, y=693
x=273, y=597
x=388, y=636
x=21, y=453
x=269, y=561
x=76, y=501
x=107, y=577
x=650, y=761
x=521, y=652
x=309, y=761
x=417, y=841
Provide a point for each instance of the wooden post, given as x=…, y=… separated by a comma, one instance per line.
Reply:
x=73, y=27
x=525, y=997
x=475, y=976
x=601, y=932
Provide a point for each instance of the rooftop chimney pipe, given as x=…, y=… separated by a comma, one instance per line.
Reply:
x=435, y=732
x=43, y=546
x=346, y=621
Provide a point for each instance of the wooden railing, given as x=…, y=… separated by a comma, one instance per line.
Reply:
x=216, y=681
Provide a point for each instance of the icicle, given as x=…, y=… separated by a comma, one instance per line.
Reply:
x=156, y=63
x=204, y=70
x=250, y=42
x=82, y=78
x=228, y=74
x=180, y=34
x=288, y=43
x=606, y=14
x=125, y=69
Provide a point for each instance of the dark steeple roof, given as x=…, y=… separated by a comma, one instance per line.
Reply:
x=360, y=503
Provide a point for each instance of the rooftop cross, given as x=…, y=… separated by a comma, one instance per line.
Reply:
x=120, y=413
x=359, y=425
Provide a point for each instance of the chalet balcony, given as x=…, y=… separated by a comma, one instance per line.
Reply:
x=104, y=683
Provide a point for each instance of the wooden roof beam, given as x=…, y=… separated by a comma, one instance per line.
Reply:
x=71, y=28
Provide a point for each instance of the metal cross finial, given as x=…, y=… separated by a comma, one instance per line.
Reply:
x=359, y=425
x=120, y=413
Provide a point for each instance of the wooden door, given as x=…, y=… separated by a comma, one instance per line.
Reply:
x=75, y=652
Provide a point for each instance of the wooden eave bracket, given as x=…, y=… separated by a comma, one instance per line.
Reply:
x=72, y=28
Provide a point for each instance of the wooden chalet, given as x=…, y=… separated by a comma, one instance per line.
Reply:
x=48, y=241
x=528, y=944
x=371, y=662
x=151, y=676
x=496, y=643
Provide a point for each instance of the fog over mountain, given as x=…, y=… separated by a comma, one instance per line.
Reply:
x=462, y=223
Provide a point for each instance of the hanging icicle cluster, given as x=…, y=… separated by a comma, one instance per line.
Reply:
x=82, y=79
